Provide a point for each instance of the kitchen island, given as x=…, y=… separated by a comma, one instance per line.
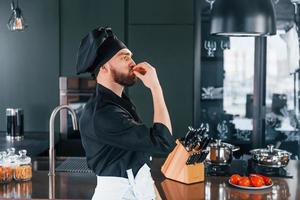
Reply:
x=81, y=186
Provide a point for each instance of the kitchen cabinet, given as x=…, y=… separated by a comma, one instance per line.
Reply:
x=170, y=50
x=161, y=12
x=77, y=18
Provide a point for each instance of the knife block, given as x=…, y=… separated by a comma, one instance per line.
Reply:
x=175, y=167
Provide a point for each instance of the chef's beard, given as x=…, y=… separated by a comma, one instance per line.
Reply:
x=123, y=79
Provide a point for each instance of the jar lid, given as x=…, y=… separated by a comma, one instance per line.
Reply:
x=3, y=158
x=23, y=158
x=12, y=157
x=11, y=151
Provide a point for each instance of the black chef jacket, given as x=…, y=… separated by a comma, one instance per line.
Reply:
x=114, y=137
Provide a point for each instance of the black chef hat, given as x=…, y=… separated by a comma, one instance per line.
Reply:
x=96, y=48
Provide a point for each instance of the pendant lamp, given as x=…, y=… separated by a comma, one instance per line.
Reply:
x=243, y=18
x=16, y=21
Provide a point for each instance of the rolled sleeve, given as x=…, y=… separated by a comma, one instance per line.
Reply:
x=161, y=134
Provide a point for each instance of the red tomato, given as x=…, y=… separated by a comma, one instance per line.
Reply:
x=244, y=182
x=267, y=180
x=140, y=70
x=257, y=181
x=235, y=178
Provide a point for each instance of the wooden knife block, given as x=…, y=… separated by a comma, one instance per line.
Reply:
x=175, y=167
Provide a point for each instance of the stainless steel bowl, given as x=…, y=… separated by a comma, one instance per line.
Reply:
x=220, y=153
x=271, y=157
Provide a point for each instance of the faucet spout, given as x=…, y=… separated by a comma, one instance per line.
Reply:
x=51, y=134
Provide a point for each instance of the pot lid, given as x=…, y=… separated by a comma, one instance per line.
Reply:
x=219, y=144
x=269, y=151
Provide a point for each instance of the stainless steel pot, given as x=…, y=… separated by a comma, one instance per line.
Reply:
x=271, y=157
x=220, y=153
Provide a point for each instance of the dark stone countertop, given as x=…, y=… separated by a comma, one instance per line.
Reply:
x=34, y=142
x=81, y=186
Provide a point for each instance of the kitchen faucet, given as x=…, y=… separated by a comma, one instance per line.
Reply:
x=51, y=134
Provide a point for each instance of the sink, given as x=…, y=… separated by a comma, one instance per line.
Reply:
x=65, y=164
x=74, y=165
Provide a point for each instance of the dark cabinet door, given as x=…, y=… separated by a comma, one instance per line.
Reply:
x=170, y=50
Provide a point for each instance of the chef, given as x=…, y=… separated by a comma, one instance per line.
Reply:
x=118, y=145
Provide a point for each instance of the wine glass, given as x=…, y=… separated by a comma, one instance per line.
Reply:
x=222, y=129
x=225, y=44
x=211, y=2
x=211, y=47
x=206, y=125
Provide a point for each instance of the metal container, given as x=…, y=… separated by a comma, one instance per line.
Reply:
x=220, y=153
x=271, y=157
x=14, y=124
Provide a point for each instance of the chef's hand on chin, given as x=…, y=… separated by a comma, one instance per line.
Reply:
x=147, y=74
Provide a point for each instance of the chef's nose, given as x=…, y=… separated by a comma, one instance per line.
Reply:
x=132, y=64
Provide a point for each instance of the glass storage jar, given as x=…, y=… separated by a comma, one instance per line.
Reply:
x=23, y=171
x=12, y=159
x=6, y=172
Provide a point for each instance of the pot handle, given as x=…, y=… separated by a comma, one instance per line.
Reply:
x=235, y=148
x=270, y=147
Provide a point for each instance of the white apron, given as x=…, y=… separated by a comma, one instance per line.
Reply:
x=118, y=188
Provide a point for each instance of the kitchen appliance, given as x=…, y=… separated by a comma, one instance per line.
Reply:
x=217, y=170
x=236, y=167
x=220, y=153
x=14, y=124
x=269, y=161
x=74, y=92
x=254, y=167
x=271, y=157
